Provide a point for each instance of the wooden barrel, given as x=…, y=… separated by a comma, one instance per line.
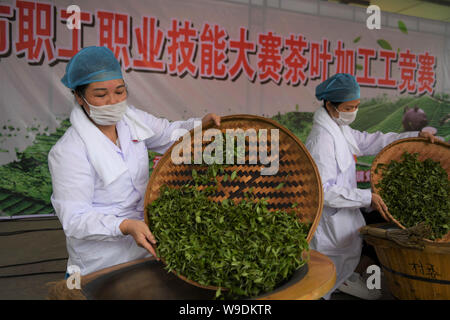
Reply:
x=411, y=273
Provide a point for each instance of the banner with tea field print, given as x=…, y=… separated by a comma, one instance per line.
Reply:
x=183, y=59
x=384, y=114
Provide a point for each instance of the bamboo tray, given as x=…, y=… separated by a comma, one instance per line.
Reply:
x=437, y=151
x=297, y=171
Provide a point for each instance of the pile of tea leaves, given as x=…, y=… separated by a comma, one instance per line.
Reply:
x=242, y=247
x=417, y=191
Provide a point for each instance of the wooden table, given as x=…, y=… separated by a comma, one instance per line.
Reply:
x=320, y=279
x=147, y=279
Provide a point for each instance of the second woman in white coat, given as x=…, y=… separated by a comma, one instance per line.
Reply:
x=334, y=147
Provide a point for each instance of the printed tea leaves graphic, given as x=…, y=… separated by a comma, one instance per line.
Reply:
x=384, y=44
x=402, y=27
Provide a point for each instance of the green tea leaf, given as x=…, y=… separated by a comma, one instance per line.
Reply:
x=402, y=27
x=417, y=192
x=241, y=246
x=278, y=187
x=384, y=44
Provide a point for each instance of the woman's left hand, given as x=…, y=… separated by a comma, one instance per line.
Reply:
x=378, y=204
x=212, y=116
x=428, y=135
x=141, y=233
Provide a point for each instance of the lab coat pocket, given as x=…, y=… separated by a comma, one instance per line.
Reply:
x=142, y=153
x=339, y=228
x=142, y=166
x=89, y=254
x=119, y=190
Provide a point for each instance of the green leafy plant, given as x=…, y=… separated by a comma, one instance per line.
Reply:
x=417, y=191
x=242, y=247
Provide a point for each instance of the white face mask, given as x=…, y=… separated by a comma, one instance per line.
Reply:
x=345, y=118
x=109, y=114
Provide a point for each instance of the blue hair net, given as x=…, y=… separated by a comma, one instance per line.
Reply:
x=91, y=64
x=339, y=88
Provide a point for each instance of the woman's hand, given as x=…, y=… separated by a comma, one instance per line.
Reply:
x=428, y=135
x=211, y=116
x=380, y=206
x=140, y=232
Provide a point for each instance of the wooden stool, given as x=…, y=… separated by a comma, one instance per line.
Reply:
x=320, y=279
x=146, y=279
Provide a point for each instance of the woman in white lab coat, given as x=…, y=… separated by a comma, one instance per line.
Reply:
x=334, y=147
x=100, y=166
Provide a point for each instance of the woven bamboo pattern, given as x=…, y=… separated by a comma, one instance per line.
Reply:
x=437, y=151
x=297, y=171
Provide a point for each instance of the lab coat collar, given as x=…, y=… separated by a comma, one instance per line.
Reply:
x=124, y=136
x=138, y=129
x=106, y=161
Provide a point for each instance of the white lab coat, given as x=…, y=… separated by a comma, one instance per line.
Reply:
x=337, y=234
x=91, y=212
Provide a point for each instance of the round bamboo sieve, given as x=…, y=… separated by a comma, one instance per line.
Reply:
x=297, y=171
x=437, y=151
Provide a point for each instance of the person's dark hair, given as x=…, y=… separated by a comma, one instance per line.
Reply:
x=333, y=103
x=81, y=90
